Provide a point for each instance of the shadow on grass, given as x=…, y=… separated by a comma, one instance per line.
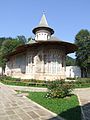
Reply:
x=75, y=113
x=86, y=110
x=70, y=114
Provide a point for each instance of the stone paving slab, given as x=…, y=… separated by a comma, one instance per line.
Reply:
x=83, y=95
x=13, y=107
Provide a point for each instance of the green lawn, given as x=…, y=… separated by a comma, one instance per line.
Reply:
x=80, y=83
x=84, y=85
x=67, y=108
x=21, y=83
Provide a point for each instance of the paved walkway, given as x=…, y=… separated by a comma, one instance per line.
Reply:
x=84, y=99
x=14, y=107
x=83, y=95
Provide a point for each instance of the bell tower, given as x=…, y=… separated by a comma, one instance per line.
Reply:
x=43, y=31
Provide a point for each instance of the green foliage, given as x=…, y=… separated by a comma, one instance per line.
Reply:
x=70, y=61
x=1, y=41
x=59, y=89
x=8, y=45
x=25, y=82
x=22, y=39
x=8, y=78
x=82, y=40
x=82, y=83
x=78, y=83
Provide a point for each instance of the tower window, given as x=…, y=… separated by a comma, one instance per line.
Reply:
x=37, y=36
x=62, y=61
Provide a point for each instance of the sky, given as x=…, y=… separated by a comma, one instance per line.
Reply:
x=66, y=17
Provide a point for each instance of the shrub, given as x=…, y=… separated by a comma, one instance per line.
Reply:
x=59, y=89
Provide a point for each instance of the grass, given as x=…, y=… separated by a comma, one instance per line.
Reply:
x=80, y=83
x=67, y=108
x=84, y=85
x=21, y=83
x=14, y=83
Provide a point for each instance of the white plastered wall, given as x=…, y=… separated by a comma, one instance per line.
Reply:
x=73, y=71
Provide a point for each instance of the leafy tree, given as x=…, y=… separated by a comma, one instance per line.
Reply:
x=82, y=40
x=1, y=40
x=8, y=45
x=22, y=39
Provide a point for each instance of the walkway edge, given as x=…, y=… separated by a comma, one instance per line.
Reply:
x=45, y=109
x=82, y=113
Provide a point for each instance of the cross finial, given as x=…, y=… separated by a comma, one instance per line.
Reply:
x=43, y=21
x=43, y=11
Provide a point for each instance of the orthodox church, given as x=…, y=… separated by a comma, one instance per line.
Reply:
x=43, y=58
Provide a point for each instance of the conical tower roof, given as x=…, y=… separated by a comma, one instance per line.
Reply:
x=43, y=25
x=43, y=22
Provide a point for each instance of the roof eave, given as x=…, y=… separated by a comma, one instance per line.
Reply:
x=69, y=47
x=43, y=28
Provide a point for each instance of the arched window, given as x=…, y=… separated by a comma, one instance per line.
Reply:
x=52, y=63
x=30, y=64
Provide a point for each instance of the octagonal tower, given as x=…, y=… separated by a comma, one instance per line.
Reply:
x=43, y=31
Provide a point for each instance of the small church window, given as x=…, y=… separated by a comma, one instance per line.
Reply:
x=30, y=63
x=40, y=57
x=62, y=64
x=37, y=36
x=29, y=60
x=32, y=59
x=62, y=61
x=45, y=59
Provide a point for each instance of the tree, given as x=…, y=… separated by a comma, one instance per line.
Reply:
x=2, y=40
x=8, y=45
x=22, y=39
x=82, y=40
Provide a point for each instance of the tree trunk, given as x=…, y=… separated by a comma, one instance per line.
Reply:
x=81, y=72
x=85, y=72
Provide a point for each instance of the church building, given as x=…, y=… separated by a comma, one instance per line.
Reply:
x=43, y=58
